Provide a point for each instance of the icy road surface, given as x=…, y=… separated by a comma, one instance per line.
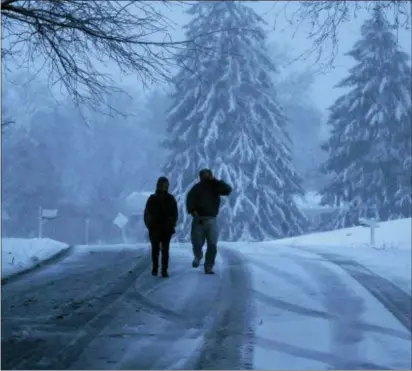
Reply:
x=102, y=309
x=280, y=308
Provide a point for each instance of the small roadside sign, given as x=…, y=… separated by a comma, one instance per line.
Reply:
x=49, y=213
x=120, y=220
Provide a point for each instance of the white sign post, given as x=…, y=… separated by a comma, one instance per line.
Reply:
x=121, y=222
x=86, y=232
x=40, y=222
x=46, y=214
x=372, y=224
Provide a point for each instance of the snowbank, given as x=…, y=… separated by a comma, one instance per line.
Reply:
x=390, y=258
x=297, y=302
x=19, y=254
x=394, y=234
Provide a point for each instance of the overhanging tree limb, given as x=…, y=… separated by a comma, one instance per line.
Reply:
x=325, y=19
x=75, y=40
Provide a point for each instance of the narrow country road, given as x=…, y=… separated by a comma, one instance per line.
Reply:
x=101, y=309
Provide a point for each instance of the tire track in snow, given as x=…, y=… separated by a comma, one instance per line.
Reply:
x=347, y=308
x=390, y=296
x=291, y=278
x=393, y=298
x=229, y=340
x=43, y=280
x=87, y=321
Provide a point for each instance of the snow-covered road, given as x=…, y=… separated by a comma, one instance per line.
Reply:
x=281, y=308
x=319, y=311
x=102, y=309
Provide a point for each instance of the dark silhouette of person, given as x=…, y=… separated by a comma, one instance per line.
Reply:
x=160, y=217
x=203, y=203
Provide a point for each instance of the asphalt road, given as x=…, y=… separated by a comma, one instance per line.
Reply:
x=102, y=309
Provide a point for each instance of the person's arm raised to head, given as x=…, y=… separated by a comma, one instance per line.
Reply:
x=223, y=188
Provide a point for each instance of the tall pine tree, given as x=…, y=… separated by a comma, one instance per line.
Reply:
x=224, y=117
x=369, y=147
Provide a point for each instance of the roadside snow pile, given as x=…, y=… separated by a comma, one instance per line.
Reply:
x=299, y=295
x=390, y=258
x=19, y=254
x=394, y=234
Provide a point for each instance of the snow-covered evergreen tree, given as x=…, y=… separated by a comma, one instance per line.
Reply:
x=224, y=117
x=369, y=147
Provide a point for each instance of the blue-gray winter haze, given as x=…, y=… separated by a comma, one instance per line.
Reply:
x=206, y=184
x=97, y=165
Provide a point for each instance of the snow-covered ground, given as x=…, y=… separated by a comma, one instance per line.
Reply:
x=390, y=257
x=311, y=314
x=19, y=254
x=306, y=312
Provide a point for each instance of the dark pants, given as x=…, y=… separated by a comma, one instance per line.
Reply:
x=160, y=241
x=205, y=230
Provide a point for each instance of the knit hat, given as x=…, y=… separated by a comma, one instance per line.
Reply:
x=161, y=181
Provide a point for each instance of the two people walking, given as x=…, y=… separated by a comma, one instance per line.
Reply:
x=202, y=203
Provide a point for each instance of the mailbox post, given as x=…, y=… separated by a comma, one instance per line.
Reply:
x=86, y=232
x=46, y=214
x=372, y=224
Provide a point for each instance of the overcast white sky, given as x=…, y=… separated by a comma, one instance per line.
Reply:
x=323, y=93
x=296, y=40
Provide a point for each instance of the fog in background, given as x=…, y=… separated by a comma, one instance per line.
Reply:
x=87, y=164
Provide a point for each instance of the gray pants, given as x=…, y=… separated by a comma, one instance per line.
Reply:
x=205, y=230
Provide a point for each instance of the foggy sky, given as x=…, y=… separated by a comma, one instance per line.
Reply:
x=323, y=93
x=284, y=35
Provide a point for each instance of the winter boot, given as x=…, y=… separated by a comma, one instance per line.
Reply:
x=209, y=270
x=196, y=261
x=165, y=274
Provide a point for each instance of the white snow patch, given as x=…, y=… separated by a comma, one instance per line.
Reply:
x=390, y=258
x=390, y=235
x=19, y=254
x=310, y=200
x=299, y=297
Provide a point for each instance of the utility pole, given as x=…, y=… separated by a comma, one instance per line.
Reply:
x=40, y=222
x=86, y=232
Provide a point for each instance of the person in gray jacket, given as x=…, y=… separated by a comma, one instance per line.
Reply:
x=203, y=202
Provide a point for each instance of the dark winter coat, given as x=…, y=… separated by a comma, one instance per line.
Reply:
x=161, y=213
x=204, y=197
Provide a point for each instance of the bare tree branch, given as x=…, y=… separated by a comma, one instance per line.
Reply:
x=75, y=40
x=325, y=19
x=6, y=123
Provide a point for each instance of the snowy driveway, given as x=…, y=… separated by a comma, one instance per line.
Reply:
x=278, y=308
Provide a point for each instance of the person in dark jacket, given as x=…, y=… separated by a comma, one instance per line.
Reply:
x=160, y=217
x=203, y=202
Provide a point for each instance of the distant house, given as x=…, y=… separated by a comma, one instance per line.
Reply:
x=133, y=209
x=310, y=205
